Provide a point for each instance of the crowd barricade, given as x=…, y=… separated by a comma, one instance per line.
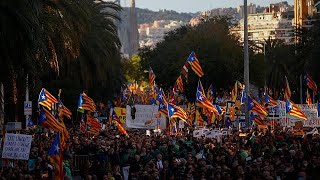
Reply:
x=79, y=162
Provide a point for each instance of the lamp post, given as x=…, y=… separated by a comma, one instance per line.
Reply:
x=246, y=59
x=265, y=63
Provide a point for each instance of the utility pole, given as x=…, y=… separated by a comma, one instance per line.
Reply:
x=27, y=99
x=246, y=59
x=265, y=63
x=1, y=104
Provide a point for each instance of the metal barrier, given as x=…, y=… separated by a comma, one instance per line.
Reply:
x=79, y=162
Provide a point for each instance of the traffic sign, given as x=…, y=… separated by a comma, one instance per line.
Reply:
x=27, y=108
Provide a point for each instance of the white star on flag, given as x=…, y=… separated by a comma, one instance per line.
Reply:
x=161, y=106
x=56, y=148
x=172, y=109
x=43, y=97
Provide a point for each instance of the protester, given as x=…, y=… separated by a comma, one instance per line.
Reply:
x=261, y=154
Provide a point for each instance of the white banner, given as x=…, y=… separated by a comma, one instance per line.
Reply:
x=181, y=124
x=287, y=120
x=197, y=133
x=146, y=117
x=16, y=146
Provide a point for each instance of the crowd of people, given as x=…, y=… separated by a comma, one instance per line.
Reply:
x=255, y=154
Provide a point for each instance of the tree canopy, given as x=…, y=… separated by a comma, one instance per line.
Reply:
x=72, y=45
x=219, y=52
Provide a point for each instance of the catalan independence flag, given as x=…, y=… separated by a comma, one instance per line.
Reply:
x=121, y=128
x=47, y=120
x=195, y=64
x=46, y=99
x=234, y=92
x=293, y=110
x=257, y=119
x=270, y=101
x=163, y=108
x=63, y=111
x=86, y=103
x=287, y=91
x=55, y=157
x=161, y=96
x=254, y=106
x=310, y=83
x=179, y=83
x=202, y=101
x=177, y=112
x=199, y=119
x=152, y=76
x=94, y=123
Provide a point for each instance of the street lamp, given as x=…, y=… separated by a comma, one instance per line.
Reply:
x=246, y=59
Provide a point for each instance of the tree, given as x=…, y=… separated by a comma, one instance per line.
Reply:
x=219, y=52
x=133, y=70
x=65, y=44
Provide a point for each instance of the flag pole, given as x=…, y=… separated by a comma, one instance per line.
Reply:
x=313, y=97
x=246, y=58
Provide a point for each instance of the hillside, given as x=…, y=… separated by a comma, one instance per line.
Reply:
x=148, y=16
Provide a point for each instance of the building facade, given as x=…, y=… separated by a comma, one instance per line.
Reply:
x=304, y=10
x=268, y=25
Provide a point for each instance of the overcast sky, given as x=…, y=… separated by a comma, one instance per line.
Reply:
x=195, y=5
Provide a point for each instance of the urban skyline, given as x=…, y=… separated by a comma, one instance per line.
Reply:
x=196, y=6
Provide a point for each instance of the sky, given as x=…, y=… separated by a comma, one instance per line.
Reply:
x=195, y=5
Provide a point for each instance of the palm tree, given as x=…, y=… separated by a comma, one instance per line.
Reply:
x=56, y=41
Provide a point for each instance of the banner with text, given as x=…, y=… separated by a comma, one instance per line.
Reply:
x=121, y=113
x=146, y=117
x=16, y=146
x=284, y=119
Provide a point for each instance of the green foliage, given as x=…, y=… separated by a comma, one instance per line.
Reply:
x=72, y=45
x=219, y=52
x=148, y=16
x=133, y=70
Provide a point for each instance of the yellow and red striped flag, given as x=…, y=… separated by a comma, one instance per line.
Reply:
x=63, y=111
x=199, y=119
x=47, y=120
x=152, y=76
x=256, y=107
x=234, y=92
x=270, y=101
x=177, y=112
x=179, y=83
x=294, y=110
x=202, y=101
x=55, y=157
x=310, y=83
x=46, y=99
x=195, y=64
x=86, y=103
x=287, y=91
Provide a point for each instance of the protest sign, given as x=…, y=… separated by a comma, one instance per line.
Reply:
x=310, y=110
x=146, y=117
x=121, y=113
x=181, y=124
x=197, y=133
x=210, y=134
x=16, y=146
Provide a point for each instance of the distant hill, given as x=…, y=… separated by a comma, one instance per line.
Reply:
x=148, y=16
